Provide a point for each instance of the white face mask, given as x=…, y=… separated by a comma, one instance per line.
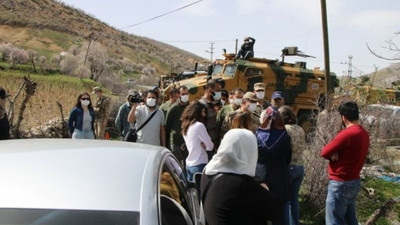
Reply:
x=223, y=102
x=252, y=107
x=238, y=101
x=151, y=102
x=85, y=102
x=231, y=101
x=217, y=95
x=260, y=94
x=184, y=98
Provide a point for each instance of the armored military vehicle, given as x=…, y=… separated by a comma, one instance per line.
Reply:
x=301, y=87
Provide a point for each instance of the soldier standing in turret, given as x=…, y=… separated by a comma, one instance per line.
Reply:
x=247, y=49
x=102, y=110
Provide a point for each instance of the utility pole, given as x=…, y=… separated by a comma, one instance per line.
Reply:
x=350, y=70
x=326, y=48
x=211, y=51
x=90, y=42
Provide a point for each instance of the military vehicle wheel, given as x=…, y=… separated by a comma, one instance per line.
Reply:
x=307, y=122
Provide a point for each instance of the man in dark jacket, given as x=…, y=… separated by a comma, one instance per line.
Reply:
x=173, y=124
x=247, y=49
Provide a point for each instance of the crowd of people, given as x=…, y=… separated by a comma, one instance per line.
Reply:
x=249, y=150
x=253, y=146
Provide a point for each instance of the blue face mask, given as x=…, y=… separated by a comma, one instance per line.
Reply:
x=216, y=95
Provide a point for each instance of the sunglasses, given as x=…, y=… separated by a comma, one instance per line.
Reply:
x=85, y=98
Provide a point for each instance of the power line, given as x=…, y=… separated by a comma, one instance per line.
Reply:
x=164, y=14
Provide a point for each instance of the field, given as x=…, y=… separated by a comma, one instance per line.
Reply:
x=42, y=106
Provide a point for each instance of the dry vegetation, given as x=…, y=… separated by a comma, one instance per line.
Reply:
x=382, y=134
x=49, y=27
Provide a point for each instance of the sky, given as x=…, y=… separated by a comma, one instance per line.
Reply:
x=274, y=24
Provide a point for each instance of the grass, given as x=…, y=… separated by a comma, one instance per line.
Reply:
x=383, y=191
x=366, y=204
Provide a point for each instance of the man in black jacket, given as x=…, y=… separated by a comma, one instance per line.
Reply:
x=247, y=49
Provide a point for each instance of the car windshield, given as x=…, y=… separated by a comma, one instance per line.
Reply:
x=66, y=217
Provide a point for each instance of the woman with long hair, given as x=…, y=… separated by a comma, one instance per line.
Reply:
x=274, y=157
x=81, y=118
x=296, y=168
x=242, y=120
x=196, y=138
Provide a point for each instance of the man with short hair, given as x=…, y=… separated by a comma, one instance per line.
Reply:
x=153, y=132
x=235, y=104
x=173, y=124
x=212, y=94
x=277, y=99
x=121, y=121
x=173, y=96
x=249, y=105
x=346, y=154
x=102, y=112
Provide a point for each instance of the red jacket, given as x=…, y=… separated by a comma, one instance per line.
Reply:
x=352, y=145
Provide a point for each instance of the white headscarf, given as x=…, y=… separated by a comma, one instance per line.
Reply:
x=237, y=154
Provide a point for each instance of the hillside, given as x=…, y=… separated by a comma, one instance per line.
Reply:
x=385, y=77
x=51, y=27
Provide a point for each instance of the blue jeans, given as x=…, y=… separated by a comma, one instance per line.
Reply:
x=341, y=202
x=191, y=170
x=296, y=176
x=84, y=134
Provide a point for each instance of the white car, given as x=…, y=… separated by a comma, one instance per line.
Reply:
x=382, y=119
x=65, y=181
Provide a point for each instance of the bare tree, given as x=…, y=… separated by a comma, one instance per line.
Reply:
x=29, y=86
x=33, y=59
x=98, y=61
x=392, y=47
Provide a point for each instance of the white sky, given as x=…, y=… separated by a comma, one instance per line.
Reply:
x=273, y=23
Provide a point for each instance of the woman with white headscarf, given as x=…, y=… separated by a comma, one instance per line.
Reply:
x=230, y=194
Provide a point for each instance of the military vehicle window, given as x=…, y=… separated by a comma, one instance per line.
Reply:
x=217, y=69
x=253, y=72
x=230, y=70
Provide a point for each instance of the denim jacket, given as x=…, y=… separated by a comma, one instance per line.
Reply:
x=76, y=119
x=121, y=121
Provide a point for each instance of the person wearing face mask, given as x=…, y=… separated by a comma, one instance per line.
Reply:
x=212, y=93
x=249, y=105
x=173, y=124
x=274, y=157
x=81, y=118
x=236, y=101
x=102, y=110
x=173, y=97
x=121, y=121
x=224, y=100
x=262, y=104
x=197, y=140
x=4, y=124
x=153, y=132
